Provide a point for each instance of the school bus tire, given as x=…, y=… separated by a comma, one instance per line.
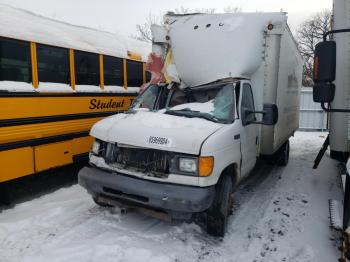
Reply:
x=5, y=197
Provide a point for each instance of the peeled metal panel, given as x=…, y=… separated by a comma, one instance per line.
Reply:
x=203, y=37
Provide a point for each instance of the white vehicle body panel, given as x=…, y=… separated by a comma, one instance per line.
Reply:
x=186, y=134
x=339, y=128
x=225, y=150
x=283, y=81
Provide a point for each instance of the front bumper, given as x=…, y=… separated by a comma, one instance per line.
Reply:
x=163, y=196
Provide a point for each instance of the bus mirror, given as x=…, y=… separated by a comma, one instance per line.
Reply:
x=270, y=114
x=323, y=92
x=325, y=62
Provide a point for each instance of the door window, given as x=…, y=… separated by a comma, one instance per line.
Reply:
x=247, y=104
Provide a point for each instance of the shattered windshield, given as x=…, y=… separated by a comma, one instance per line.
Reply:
x=147, y=99
x=214, y=103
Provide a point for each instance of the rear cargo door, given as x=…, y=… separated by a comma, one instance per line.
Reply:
x=249, y=134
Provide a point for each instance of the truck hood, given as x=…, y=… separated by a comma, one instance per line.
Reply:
x=156, y=130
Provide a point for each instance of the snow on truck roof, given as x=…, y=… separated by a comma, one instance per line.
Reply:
x=24, y=25
x=220, y=45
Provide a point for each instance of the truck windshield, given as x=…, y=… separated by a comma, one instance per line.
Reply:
x=214, y=103
x=147, y=99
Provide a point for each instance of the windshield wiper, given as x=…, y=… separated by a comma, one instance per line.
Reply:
x=190, y=113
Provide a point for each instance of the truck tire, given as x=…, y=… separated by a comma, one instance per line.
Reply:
x=217, y=214
x=284, y=154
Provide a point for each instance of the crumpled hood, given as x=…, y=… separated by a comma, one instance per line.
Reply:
x=156, y=130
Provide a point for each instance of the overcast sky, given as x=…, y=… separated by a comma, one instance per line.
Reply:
x=123, y=16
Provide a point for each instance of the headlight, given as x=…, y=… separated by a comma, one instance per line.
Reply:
x=188, y=165
x=95, y=148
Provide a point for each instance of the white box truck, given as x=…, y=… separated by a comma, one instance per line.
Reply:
x=339, y=123
x=331, y=89
x=183, y=146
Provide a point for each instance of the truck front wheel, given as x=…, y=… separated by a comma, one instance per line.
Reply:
x=217, y=215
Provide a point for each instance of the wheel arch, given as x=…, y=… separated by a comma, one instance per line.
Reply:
x=232, y=171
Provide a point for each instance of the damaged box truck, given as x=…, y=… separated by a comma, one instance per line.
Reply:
x=230, y=94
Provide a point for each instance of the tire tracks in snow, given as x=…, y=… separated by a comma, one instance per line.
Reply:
x=251, y=200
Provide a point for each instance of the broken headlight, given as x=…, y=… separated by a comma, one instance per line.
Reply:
x=96, y=147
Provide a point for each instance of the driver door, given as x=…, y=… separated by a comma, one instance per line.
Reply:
x=249, y=134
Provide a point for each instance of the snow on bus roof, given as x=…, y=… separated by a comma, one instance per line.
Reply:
x=24, y=25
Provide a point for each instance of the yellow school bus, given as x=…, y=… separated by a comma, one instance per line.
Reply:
x=56, y=81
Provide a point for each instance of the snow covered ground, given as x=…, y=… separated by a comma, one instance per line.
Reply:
x=280, y=214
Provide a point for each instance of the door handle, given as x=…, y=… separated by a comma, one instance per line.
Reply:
x=236, y=137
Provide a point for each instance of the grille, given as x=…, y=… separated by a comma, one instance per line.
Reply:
x=149, y=161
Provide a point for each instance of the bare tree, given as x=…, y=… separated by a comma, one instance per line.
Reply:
x=310, y=33
x=144, y=30
x=232, y=9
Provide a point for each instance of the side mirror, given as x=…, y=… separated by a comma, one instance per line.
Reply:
x=245, y=116
x=325, y=62
x=270, y=114
x=323, y=92
x=324, y=72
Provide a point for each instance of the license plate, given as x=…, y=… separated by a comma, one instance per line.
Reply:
x=160, y=141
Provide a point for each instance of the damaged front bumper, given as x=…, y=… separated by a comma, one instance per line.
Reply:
x=171, y=198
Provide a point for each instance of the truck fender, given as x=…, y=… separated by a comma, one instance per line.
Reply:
x=232, y=172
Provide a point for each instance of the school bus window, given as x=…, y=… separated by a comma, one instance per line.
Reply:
x=15, y=62
x=113, y=71
x=148, y=76
x=53, y=64
x=134, y=73
x=86, y=68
